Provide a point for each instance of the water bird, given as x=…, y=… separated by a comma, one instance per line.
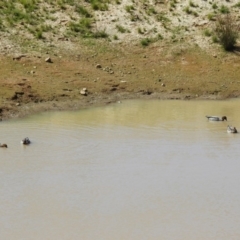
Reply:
x=4, y=145
x=26, y=141
x=215, y=118
x=231, y=129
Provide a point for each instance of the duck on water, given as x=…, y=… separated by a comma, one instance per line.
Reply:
x=216, y=118
x=4, y=145
x=26, y=141
x=231, y=129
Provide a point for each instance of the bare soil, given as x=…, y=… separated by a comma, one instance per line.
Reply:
x=110, y=73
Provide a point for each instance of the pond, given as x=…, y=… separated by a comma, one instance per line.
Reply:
x=155, y=169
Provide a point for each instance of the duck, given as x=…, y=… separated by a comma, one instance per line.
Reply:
x=26, y=141
x=231, y=129
x=4, y=145
x=215, y=118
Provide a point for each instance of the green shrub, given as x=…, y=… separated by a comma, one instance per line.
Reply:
x=83, y=11
x=100, y=34
x=129, y=8
x=99, y=5
x=39, y=34
x=145, y=42
x=237, y=5
x=226, y=30
x=172, y=5
x=207, y=33
x=195, y=13
x=192, y=4
x=162, y=18
x=188, y=10
x=211, y=16
x=215, y=39
x=82, y=27
x=214, y=6
x=151, y=11
x=159, y=37
x=224, y=9
x=140, y=31
x=121, y=29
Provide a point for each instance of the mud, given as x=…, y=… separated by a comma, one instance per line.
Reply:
x=30, y=84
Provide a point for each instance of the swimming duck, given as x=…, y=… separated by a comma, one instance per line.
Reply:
x=231, y=129
x=215, y=118
x=26, y=141
x=4, y=145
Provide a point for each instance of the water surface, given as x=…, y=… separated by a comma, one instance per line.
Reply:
x=137, y=170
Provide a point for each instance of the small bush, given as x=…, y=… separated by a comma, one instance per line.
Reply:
x=99, y=5
x=145, y=42
x=195, y=13
x=226, y=30
x=223, y=9
x=140, y=31
x=100, y=34
x=129, y=8
x=211, y=17
x=151, y=11
x=172, y=5
x=215, y=39
x=39, y=34
x=214, y=6
x=162, y=18
x=192, y=4
x=83, y=11
x=207, y=33
x=237, y=5
x=121, y=29
x=159, y=37
x=82, y=27
x=187, y=10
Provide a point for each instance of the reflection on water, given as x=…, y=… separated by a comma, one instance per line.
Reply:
x=136, y=170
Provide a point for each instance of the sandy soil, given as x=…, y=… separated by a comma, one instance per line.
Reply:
x=112, y=73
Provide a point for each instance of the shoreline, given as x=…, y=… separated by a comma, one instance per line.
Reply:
x=31, y=85
x=13, y=111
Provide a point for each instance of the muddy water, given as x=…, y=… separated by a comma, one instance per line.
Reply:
x=136, y=170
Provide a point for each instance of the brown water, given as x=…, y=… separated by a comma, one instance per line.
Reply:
x=132, y=171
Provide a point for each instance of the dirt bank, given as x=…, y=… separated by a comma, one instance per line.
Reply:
x=29, y=84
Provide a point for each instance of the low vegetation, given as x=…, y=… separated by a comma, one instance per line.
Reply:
x=133, y=21
x=227, y=31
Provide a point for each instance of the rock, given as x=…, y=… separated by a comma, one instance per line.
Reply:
x=48, y=60
x=84, y=92
x=98, y=66
x=163, y=84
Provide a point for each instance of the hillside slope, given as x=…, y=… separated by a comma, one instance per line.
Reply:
x=40, y=23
